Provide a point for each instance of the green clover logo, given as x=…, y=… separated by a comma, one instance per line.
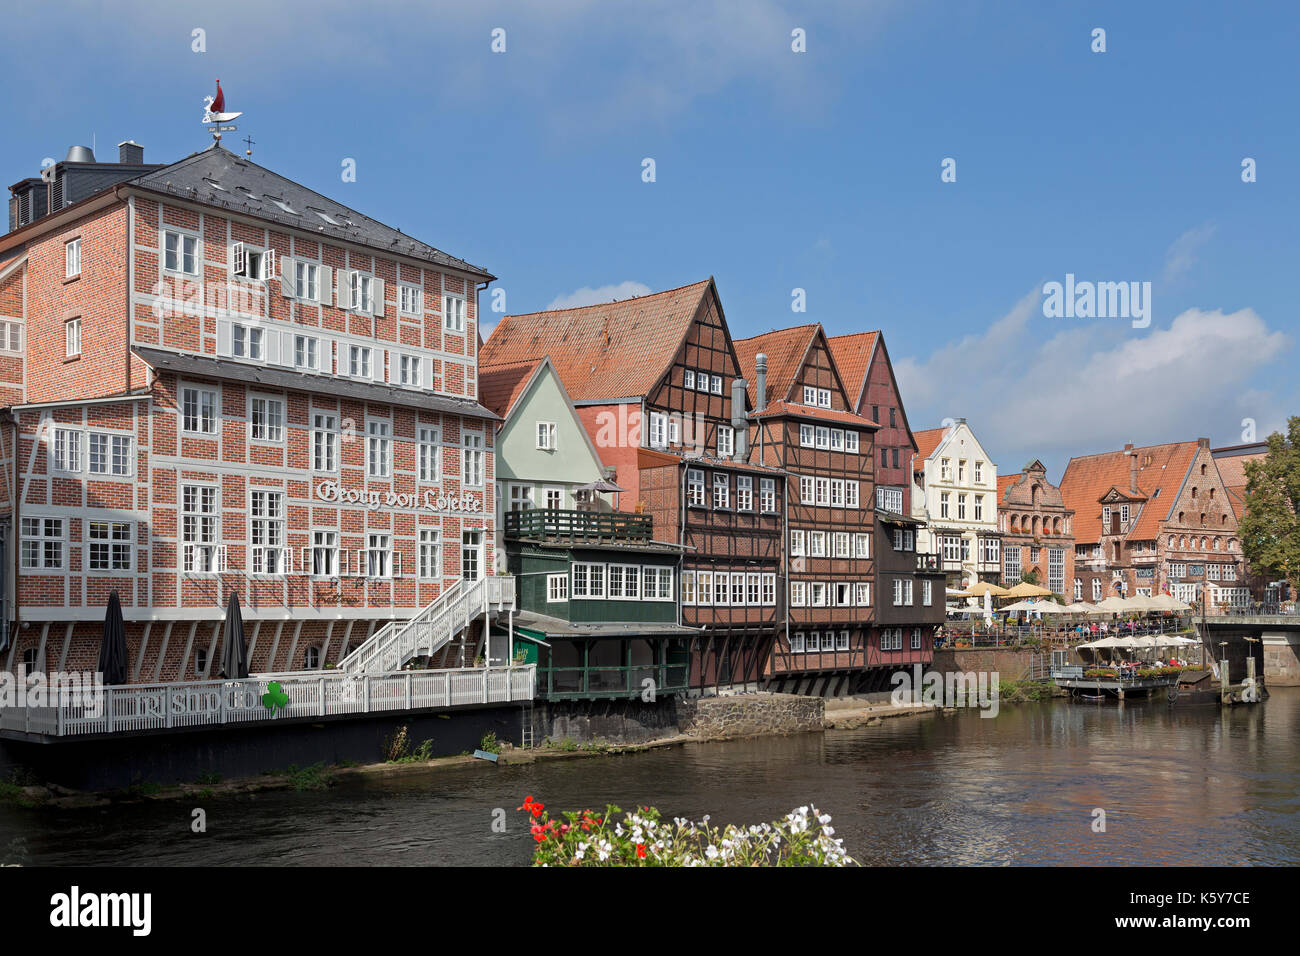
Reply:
x=275, y=698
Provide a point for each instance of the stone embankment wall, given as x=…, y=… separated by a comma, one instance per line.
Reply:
x=749, y=715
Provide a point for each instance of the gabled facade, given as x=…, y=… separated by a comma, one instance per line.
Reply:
x=598, y=607
x=655, y=381
x=955, y=492
x=1037, y=531
x=219, y=381
x=1156, y=519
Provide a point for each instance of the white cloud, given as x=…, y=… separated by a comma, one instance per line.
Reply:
x=1037, y=387
x=605, y=293
x=1181, y=255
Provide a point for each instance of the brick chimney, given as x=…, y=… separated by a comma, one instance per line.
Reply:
x=1132, y=467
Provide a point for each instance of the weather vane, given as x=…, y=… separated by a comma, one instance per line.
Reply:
x=214, y=115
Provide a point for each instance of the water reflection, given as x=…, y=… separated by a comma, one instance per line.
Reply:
x=1184, y=785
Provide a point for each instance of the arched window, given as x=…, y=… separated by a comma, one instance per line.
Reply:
x=1217, y=542
x=1193, y=492
x=311, y=659
x=1211, y=494
x=1202, y=469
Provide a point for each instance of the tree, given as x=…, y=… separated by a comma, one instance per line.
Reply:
x=1031, y=577
x=1270, y=528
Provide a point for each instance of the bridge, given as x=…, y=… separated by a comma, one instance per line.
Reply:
x=1273, y=639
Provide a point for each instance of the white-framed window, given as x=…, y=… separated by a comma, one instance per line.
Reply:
x=379, y=448
x=246, y=341
x=410, y=371
x=72, y=337
x=250, y=262
x=851, y=442
x=862, y=594
x=306, y=352
x=837, y=492
x=65, y=452
x=943, y=504
x=823, y=435
x=657, y=584
x=554, y=498
x=704, y=584
x=840, y=543
x=810, y=395
x=379, y=555
x=72, y=258
x=823, y=491
x=11, y=335
x=817, y=594
x=429, y=561
x=199, y=548
x=180, y=253
x=1078, y=589
x=266, y=514
x=737, y=589
x=410, y=299
x=306, y=280
x=979, y=507
x=797, y=642
x=769, y=590
x=325, y=554
x=797, y=543
x=805, y=490
x=521, y=498
x=721, y=490
x=695, y=487
x=631, y=581
x=472, y=460
x=453, y=313
x=817, y=544
x=904, y=539
x=360, y=361
x=43, y=544
x=798, y=593
x=927, y=592
x=110, y=454
x=767, y=495
x=199, y=410
x=851, y=494
x=890, y=499
x=361, y=292
x=744, y=493
x=916, y=635
x=427, y=454
x=546, y=436
x=658, y=430
x=726, y=441
x=715, y=384
x=843, y=594
x=471, y=555
x=979, y=472
x=324, y=442
x=961, y=507
x=807, y=436
x=109, y=545
x=557, y=588
x=689, y=595
x=902, y=592
x=265, y=418
x=862, y=545
x=688, y=378
x=823, y=398
x=1096, y=589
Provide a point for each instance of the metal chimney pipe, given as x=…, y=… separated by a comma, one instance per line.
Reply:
x=760, y=382
x=739, y=423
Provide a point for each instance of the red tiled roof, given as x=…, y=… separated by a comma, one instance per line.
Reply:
x=607, y=351
x=926, y=442
x=785, y=350
x=1005, y=482
x=852, y=354
x=500, y=386
x=796, y=410
x=1088, y=479
x=1232, y=469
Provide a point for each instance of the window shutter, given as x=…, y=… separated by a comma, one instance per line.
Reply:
x=287, y=276
x=426, y=374
x=377, y=364
x=223, y=338
x=268, y=265
x=237, y=259
x=343, y=289
x=286, y=349
x=271, y=344
x=324, y=285
x=378, y=305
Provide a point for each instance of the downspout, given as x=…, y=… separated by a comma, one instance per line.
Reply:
x=16, y=524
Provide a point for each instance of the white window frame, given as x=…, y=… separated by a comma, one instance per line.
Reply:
x=72, y=337
x=410, y=299
x=454, y=313
x=379, y=448
x=271, y=430
x=429, y=554
x=51, y=530
x=428, y=455
x=546, y=436
x=194, y=255
x=72, y=258
x=473, y=465
x=324, y=442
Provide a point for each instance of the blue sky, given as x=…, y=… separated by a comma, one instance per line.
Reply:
x=778, y=170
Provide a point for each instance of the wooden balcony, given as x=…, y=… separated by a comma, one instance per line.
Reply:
x=601, y=527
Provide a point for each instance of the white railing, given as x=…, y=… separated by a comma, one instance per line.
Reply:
x=433, y=627
x=141, y=707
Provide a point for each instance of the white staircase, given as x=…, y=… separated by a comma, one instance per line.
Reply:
x=432, y=627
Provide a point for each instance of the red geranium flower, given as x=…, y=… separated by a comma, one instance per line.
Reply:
x=640, y=851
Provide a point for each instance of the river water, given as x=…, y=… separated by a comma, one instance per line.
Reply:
x=1181, y=785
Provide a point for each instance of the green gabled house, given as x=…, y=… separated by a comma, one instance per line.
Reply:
x=598, y=595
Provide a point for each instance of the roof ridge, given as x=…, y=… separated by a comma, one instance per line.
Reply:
x=598, y=305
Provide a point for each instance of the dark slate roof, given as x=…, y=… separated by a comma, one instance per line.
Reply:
x=217, y=177
x=558, y=627
x=233, y=370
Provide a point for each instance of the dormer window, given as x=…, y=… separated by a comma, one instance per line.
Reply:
x=250, y=262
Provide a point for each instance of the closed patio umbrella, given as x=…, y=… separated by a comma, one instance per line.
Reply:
x=234, y=654
x=112, y=647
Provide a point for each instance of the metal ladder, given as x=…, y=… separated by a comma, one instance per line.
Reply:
x=527, y=738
